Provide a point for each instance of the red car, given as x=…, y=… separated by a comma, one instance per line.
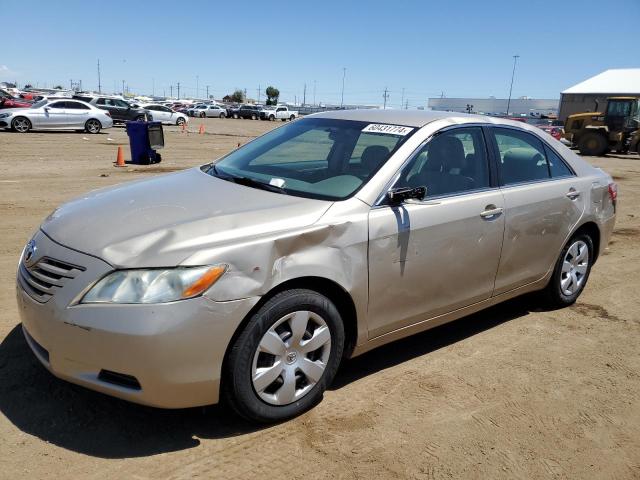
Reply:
x=9, y=101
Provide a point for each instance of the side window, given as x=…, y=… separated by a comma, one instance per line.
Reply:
x=557, y=165
x=522, y=157
x=57, y=105
x=76, y=106
x=453, y=162
x=101, y=101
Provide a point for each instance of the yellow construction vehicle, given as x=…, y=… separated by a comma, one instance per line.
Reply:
x=596, y=133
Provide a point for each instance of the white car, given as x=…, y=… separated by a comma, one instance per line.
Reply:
x=280, y=112
x=55, y=114
x=165, y=115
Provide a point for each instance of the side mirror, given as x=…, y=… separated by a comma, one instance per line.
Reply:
x=396, y=196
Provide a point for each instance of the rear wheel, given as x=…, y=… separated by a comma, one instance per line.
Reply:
x=202, y=115
x=272, y=118
x=141, y=118
x=571, y=272
x=593, y=144
x=21, y=125
x=221, y=115
x=284, y=359
x=92, y=126
x=180, y=121
x=235, y=115
x=253, y=117
x=291, y=118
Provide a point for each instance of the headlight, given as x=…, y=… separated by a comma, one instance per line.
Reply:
x=153, y=286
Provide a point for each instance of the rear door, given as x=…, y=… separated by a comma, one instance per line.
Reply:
x=430, y=257
x=543, y=203
x=76, y=114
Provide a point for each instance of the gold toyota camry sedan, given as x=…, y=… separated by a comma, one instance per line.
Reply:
x=248, y=280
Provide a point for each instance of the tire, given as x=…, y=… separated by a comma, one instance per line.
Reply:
x=202, y=114
x=141, y=118
x=292, y=118
x=270, y=328
x=579, y=263
x=180, y=121
x=271, y=118
x=235, y=115
x=221, y=115
x=92, y=126
x=593, y=144
x=21, y=125
x=253, y=117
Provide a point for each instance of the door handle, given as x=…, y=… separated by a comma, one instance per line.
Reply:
x=491, y=212
x=573, y=194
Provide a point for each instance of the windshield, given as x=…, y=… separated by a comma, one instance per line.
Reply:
x=40, y=103
x=314, y=157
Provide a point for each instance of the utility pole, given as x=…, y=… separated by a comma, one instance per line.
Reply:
x=123, y=88
x=197, y=86
x=171, y=91
x=344, y=74
x=513, y=73
x=304, y=95
x=314, y=92
x=402, y=99
x=207, y=92
x=99, y=82
x=178, y=90
x=153, y=87
x=259, y=93
x=385, y=95
x=406, y=104
x=245, y=94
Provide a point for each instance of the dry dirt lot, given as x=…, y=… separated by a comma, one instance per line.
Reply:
x=513, y=392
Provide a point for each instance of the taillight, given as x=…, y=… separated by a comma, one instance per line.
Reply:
x=613, y=191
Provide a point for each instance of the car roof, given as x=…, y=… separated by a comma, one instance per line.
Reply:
x=411, y=118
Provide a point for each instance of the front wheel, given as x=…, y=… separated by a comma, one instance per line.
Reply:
x=291, y=118
x=571, y=272
x=202, y=115
x=141, y=118
x=180, y=121
x=284, y=359
x=21, y=125
x=93, y=126
x=253, y=117
x=593, y=144
x=221, y=115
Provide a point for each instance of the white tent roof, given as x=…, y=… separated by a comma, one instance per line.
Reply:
x=619, y=81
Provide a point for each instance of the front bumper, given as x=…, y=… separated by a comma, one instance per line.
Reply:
x=174, y=351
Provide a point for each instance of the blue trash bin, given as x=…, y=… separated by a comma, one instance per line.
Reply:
x=144, y=139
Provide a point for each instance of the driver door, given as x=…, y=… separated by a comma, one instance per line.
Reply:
x=436, y=255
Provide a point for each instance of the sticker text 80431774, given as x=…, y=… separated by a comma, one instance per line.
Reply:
x=387, y=129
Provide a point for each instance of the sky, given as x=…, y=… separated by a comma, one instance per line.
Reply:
x=461, y=48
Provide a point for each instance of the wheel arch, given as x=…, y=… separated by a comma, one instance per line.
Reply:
x=590, y=228
x=329, y=288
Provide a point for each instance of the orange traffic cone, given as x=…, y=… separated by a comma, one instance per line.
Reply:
x=120, y=158
x=201, y=129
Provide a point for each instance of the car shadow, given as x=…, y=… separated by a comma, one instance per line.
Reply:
x=94, y=424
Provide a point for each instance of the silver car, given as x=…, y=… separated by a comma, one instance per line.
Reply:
x=56, y=114
x=251, y=278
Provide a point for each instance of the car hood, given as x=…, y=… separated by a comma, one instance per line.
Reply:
x=164, y=220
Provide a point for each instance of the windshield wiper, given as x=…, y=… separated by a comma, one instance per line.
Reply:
x=247, y=181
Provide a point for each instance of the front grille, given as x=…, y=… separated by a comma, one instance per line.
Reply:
x=42, y=279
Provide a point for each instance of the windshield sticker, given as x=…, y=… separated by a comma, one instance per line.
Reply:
x=387, y=129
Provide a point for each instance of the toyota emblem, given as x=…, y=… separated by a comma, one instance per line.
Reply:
x=30, y=251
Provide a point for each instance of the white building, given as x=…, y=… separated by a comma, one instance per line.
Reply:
x=591, y=95
x=497, y=106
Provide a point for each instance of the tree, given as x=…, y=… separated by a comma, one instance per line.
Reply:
x=272, y=95
x=237, y=96
x=28, y=85
x=58, y=87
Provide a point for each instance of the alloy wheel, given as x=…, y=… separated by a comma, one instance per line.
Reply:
x=291, y=358
x=93, y=126
x=21, y=125
x=574, y=268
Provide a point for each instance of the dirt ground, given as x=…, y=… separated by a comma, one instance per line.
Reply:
x=512, y=392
